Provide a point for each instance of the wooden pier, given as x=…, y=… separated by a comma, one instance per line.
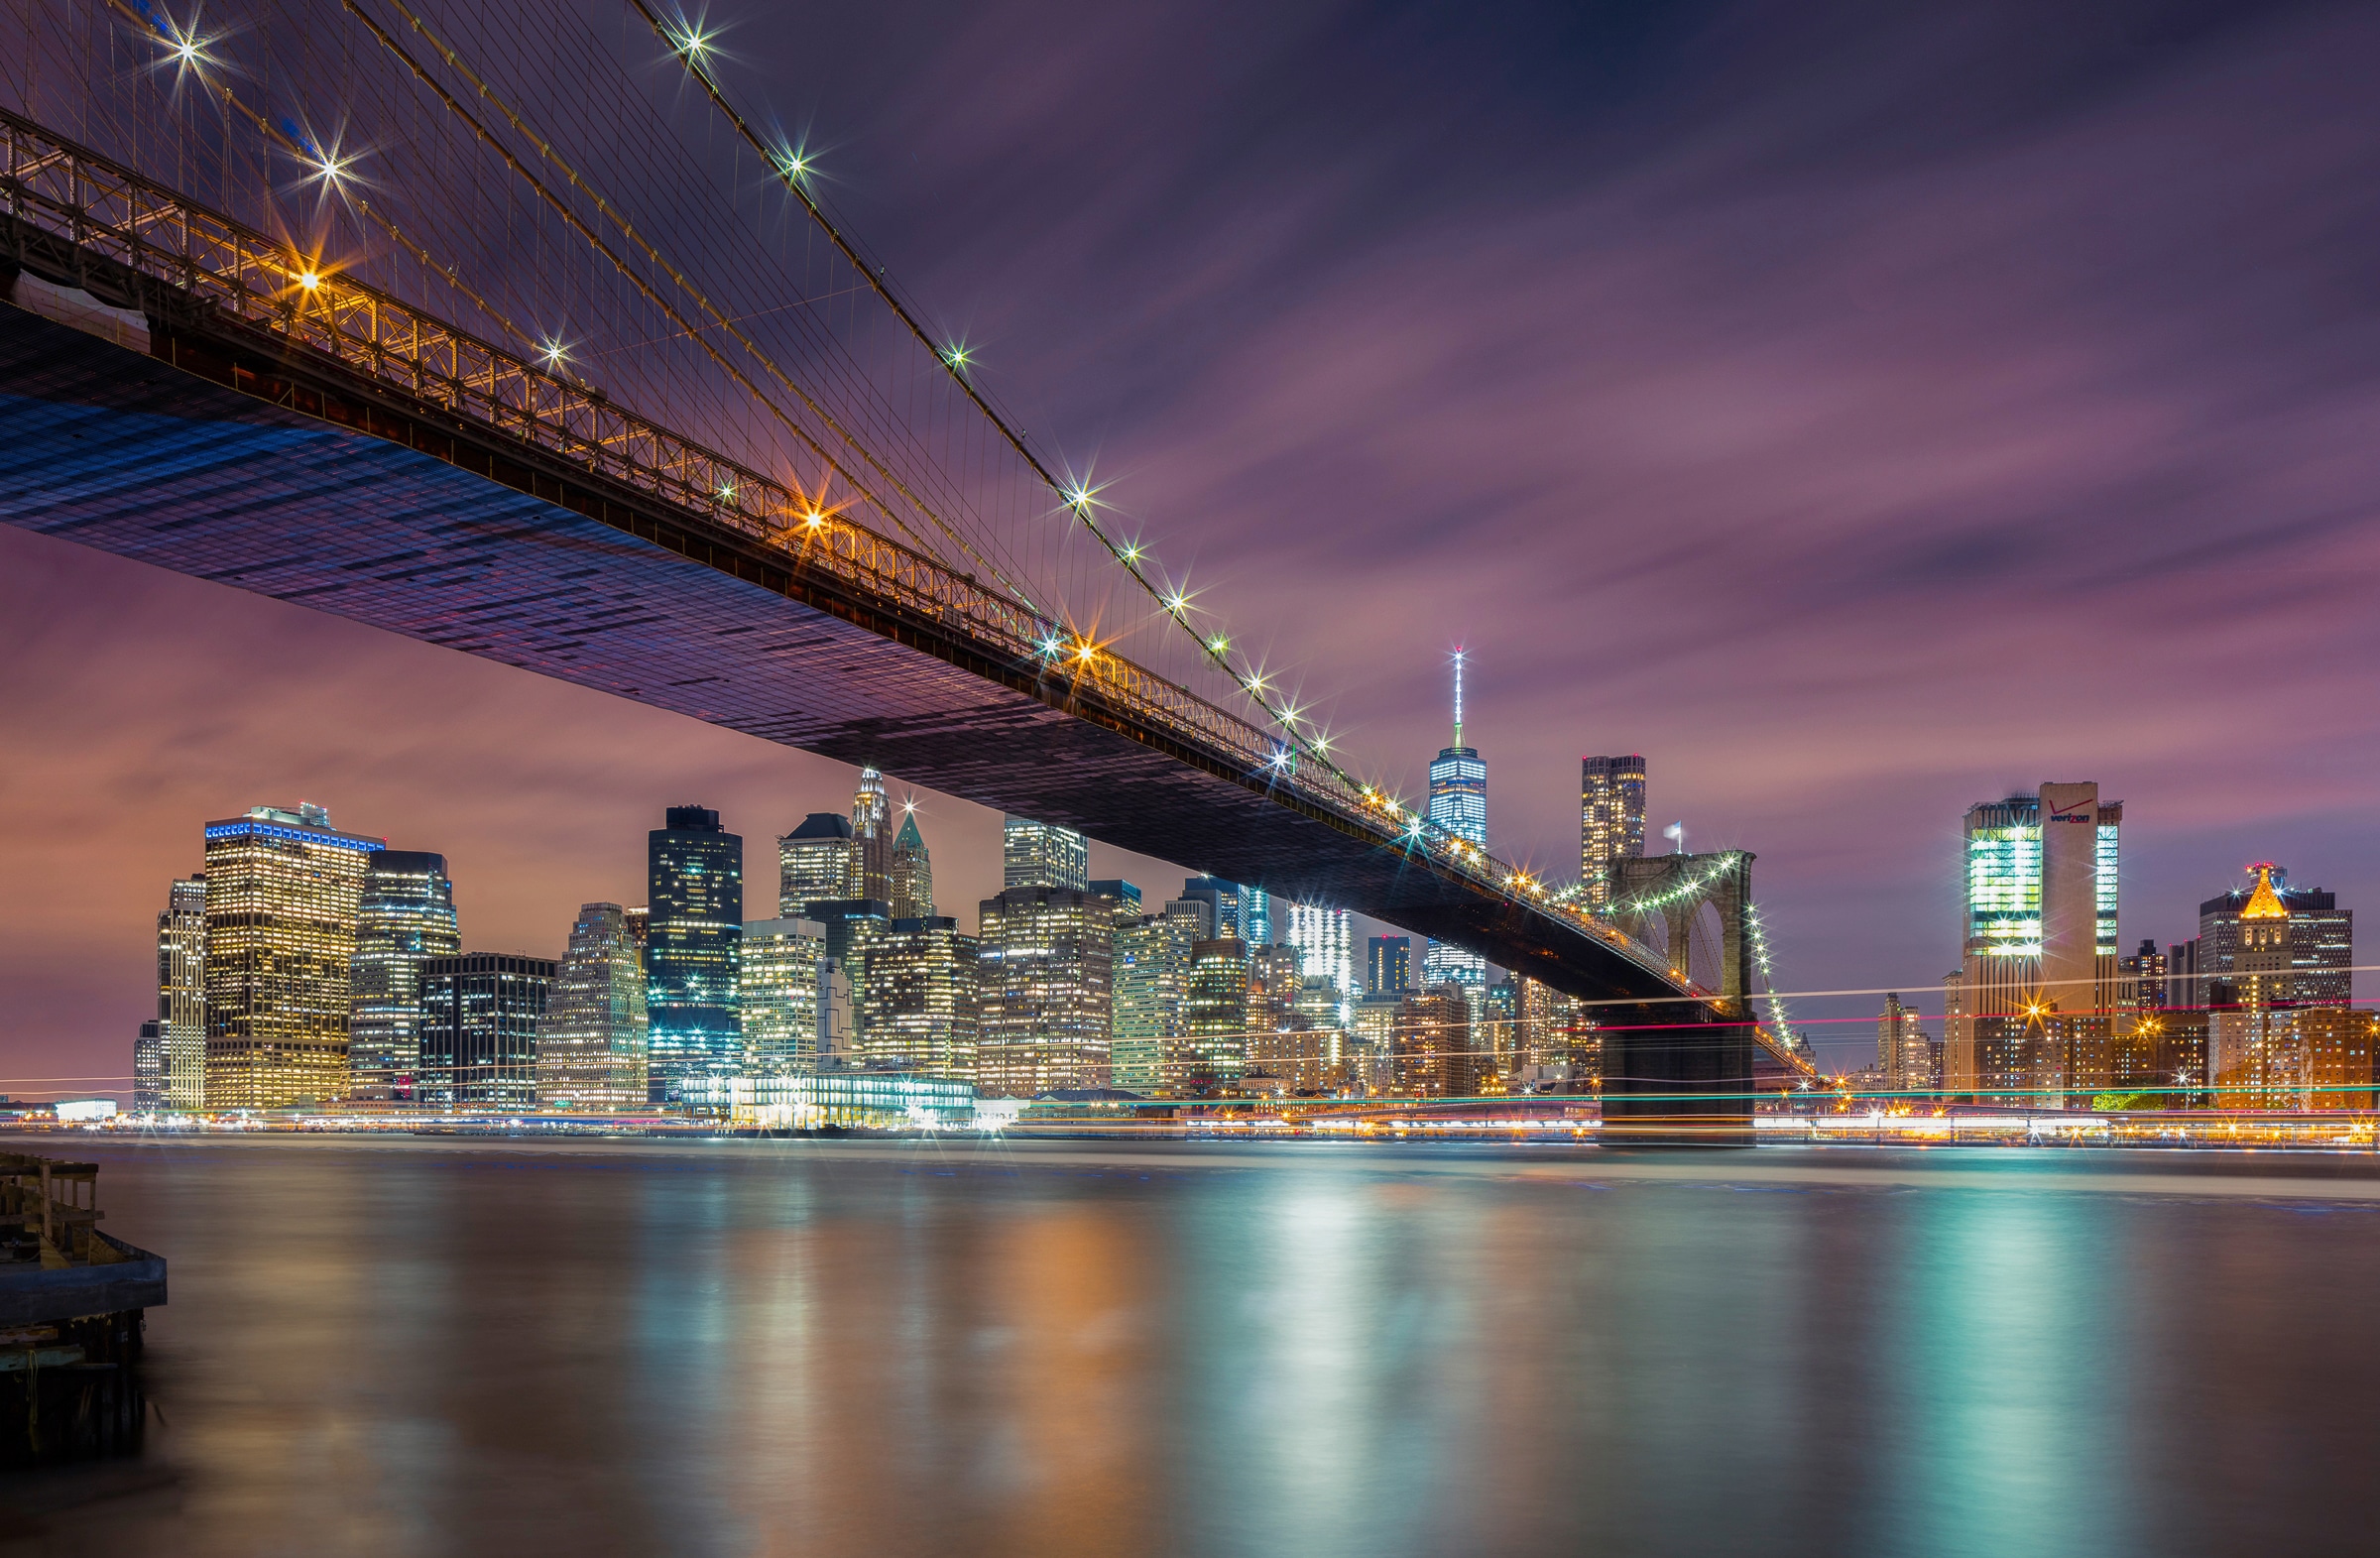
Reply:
x=72, y=1310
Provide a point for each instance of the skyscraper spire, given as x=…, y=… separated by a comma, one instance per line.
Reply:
x=1458, y=695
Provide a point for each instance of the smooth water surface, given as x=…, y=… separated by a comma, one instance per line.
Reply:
x=1097, y=1348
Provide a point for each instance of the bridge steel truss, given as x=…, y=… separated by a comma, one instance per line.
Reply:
x=251, y=314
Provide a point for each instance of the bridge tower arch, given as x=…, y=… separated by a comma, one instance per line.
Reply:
x=1668, y=1078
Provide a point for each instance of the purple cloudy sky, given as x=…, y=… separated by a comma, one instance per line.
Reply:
x=1860, y=411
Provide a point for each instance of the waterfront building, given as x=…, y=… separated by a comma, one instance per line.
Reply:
x=870, y=840
x=695, y=890
x=921, y=1008
x=1457, y=809
x=283, y=892
x=1387, y=965
x=1432, y=1045
x=879, y=1100
x=1152, y=983
x=593, y=1040
x=2322, y=951
x=912, y=895
x=1215, y=1010
x=407, y=916
x=481, y=1012
x=1255, y=914
x=813, y=863
x=1041, y=854
x=182, y=993
x=1906, y=1060
x=1325, y=941
x=778, y=996
x=1612, y=819
x=1045, y=977
x=149, y=1068
x=2032, y=1016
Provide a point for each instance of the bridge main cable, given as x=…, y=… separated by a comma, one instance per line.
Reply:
x=651, y=295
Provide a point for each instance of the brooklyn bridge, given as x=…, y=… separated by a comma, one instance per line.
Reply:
x=452, y=322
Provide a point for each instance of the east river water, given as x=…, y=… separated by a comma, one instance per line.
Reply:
x=490, y=1347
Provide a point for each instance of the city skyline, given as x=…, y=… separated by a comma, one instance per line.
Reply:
x=103, y=684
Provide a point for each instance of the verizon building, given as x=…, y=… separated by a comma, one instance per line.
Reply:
x=2030, y=1009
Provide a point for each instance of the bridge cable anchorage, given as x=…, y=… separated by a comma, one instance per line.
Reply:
x=180, y=47
x=687, y=51
x=653, y=294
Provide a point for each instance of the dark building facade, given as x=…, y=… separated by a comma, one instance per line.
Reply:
x=695, y=883
x=481, y=1012
x=1388, y=965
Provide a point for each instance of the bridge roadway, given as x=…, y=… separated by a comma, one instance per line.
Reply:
x=233, y=454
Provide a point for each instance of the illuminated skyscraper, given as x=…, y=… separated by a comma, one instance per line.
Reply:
x=1152, y=987
x=1044, y=970
x=1904, y=1054
x=1040, y=855
x=778, y=998
x=1215, y=1010
x=921, y=1007
x=2322, y=951
x=695, y=880
x=870, y=840
x=282, y=891
x=149, y=1069
x=1611, y=807
x=813, y=864
x=1458, y=808
x=407, y=917
x=1123, y=899
x=2257, y=1053
x=1388, y=965
x=2032, y=1014
x=912, y=871
x=592, y=1047
x=1326, y=949
x=1432, y=1054
x=481, y=1014
x=182, y=993
x=1226, y=907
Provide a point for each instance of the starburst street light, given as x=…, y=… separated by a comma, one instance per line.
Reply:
x=552, y=349
x=1218, y=644
x=308, y=280
x=957, y=355
x=793, y=162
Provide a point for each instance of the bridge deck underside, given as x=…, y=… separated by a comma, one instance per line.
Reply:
x=123, y=452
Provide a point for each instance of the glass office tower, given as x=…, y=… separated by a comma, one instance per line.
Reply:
x=693, y=940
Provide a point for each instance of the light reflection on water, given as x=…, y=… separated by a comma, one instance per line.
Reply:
x=1085, y=1349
